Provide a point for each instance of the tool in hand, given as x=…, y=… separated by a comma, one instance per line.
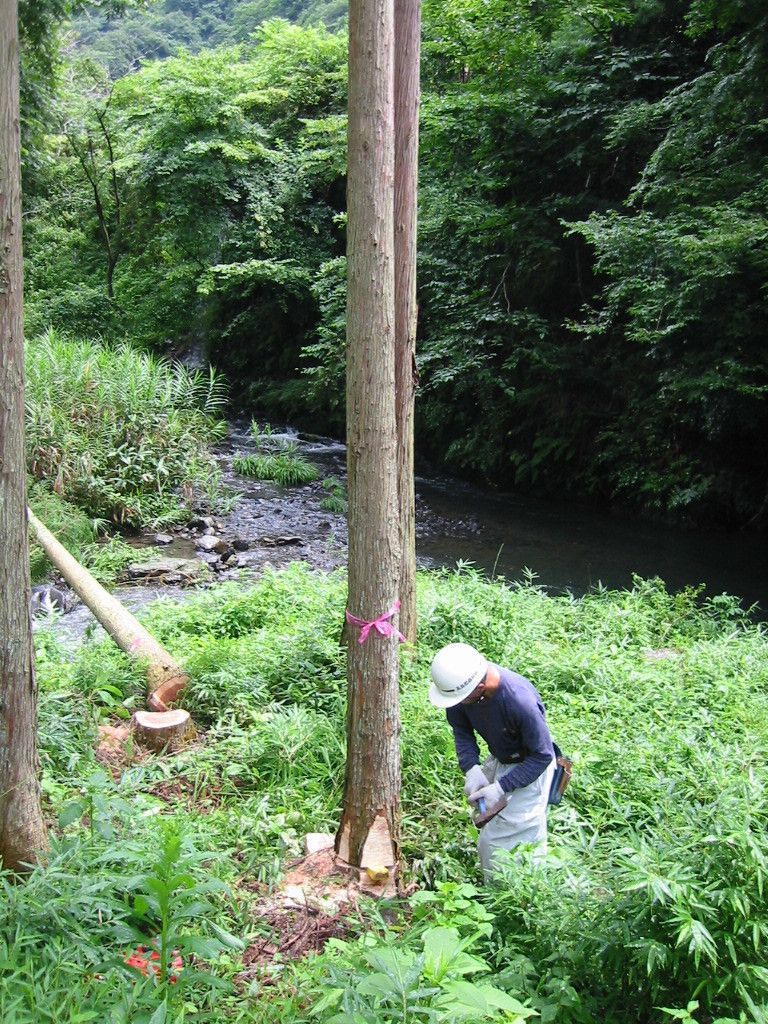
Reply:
x=485, y=813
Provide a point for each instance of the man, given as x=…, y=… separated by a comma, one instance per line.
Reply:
x=506, y=711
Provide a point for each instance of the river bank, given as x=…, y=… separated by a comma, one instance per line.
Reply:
x=568, y=547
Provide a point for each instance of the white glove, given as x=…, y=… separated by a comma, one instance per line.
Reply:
x=492, y=794
x=474, y=779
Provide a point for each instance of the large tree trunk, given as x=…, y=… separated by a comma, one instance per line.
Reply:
x=22, y=832
x=407, y=94
x=372, y=789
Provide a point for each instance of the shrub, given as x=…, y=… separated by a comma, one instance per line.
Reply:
x=278, y=460
x=117, y=432
x=336, y=499
x=287, y=468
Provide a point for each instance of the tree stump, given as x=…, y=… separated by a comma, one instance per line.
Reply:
x=163, y=730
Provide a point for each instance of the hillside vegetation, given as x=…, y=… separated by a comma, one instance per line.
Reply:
x=164, y=27
x=592, y=232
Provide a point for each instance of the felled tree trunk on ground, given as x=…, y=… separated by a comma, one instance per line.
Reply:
x=369, y=829
x=22, y=831
x=407, y=96
x=165, y=677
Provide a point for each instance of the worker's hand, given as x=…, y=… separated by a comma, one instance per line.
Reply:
x=492, y=794
x=474, y=779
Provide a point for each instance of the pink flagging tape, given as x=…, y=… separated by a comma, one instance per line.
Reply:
x=382, y=625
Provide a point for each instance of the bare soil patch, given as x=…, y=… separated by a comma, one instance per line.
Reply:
x=316, y=902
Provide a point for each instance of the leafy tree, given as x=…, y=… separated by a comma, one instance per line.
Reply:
x=684, y=262
x=590, y=240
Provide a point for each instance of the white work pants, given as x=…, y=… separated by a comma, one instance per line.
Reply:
x=523, y=820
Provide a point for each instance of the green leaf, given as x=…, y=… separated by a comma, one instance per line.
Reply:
x=205, y=948
x=227, y=938
x=376, y=984
x=443, y=954
x=71, y=813
x=328, y=1001
x=463, y=999
x=441, y=945
x=504, y=1001
x=159, y=1016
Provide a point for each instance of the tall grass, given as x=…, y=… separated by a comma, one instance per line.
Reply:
x=278, y=459
x=117, y=432
x=287, y=468
x=654, y=893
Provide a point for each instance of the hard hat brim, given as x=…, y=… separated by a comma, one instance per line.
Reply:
x=449, y=700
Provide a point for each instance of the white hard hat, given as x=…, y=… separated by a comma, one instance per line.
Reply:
x=456, y=671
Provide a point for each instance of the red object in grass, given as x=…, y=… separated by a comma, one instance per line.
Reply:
x=146, y=961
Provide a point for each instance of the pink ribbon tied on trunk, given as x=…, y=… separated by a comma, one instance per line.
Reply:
x=382, y=625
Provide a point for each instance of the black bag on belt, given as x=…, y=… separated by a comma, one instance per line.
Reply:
x=561, y=777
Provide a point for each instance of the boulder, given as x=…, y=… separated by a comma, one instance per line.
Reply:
x=45, y=600
x=170, y=569
x=208, y=543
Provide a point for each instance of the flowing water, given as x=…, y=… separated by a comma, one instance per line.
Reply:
x=571, y=546
x=568, y=546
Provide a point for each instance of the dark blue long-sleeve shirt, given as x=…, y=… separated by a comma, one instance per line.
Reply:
x=512, y=722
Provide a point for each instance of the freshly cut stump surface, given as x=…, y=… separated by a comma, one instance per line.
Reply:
x=163, y=730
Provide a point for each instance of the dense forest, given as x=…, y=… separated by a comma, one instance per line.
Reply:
x=592, y=257
x=165, y=27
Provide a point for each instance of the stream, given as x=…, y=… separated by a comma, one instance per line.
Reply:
x=568, y=546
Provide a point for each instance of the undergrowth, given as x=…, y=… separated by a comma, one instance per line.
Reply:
x=652, y=899
x=117, y=432
x=288, y=468
x=278, y=459
x=105, y=556
x=336, y=499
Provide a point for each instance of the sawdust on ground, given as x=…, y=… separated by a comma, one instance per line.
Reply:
x=116, y=749
x=316, y=901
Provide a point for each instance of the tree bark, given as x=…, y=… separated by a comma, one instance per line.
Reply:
x=369, y=829
x=22, y=831
x=407, y=97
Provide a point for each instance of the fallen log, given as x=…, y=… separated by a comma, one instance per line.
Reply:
x=166, y=678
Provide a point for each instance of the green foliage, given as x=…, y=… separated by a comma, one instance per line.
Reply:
x=336, y=501
x=592, y=231
x=655, y=877
x=380, y=980
x=325, y=355
x=66, y=933
x=106, y=558
x=278, y=460
x=287, y=468
x=682, y=264
x=171, y=26
x=117, y=432
x=72, y=527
